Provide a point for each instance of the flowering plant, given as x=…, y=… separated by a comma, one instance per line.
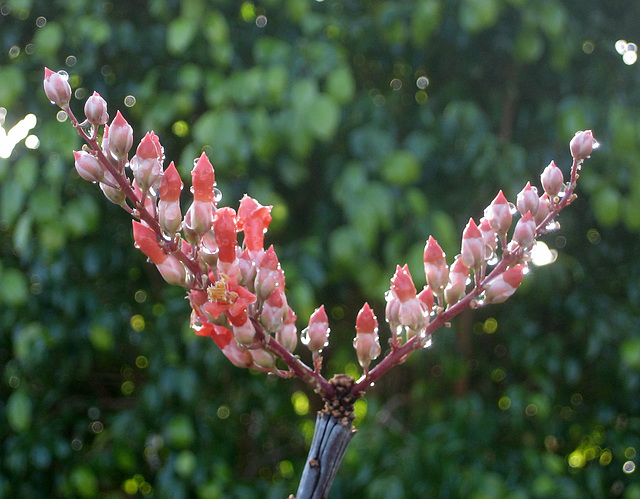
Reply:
x=236, y=287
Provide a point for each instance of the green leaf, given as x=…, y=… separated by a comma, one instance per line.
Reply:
x=101, y=337
x=180, y=34
x=14, y=290
x=179, y=432
x=84, y=481
x=19, y=411
x=324, y=117
x=401, y=168
x=477, y=15
x=341, y=85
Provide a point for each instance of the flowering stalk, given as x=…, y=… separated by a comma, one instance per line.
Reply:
x=237, y=289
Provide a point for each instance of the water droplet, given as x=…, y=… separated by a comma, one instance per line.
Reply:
x=551, y=226
x=422, y=82
x=428, y=342
x=64, y=74
x=217, y=195
x=477, y=303
x=153, y=192
x=493, y=259
x=513, y=209
x=191, y=190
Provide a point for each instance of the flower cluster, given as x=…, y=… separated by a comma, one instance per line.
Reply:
x=236, y=287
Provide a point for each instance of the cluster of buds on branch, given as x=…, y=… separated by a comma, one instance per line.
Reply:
x=236, y=287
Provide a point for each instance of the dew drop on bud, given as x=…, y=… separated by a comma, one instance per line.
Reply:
x=427, y=343
x=217, y=195
x=64, y=74
x=512, y=209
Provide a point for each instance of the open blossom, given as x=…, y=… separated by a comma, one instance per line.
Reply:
x=57, y=88
x=435, y=266
x=552, y=180
x=316, y=335
x=239, y=357
x=404, y=308
x=582, y=145
x=366, y=341
x=473, y=246
x=498, y=213
x=227, y=297
x=504, y=285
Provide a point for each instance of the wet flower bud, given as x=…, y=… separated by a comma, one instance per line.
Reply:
x=88, y=167
x=253, y=219
x=224, y=226
x=473, y=246
x=582, y=145
x=146, y=165
x=203, y=180
x=95, y=109
x=366, y=341
x=245, y=333
x=458, y=275
x=316, y=335
x=527, y=200
x=552, y=180
x=488, y=235
x=57, y=88
x=404, y=308
x=198, y=220
x=263, y=359
x=525, y=232
x=435, y=266
x=426, y=297
x=287, y=335
x=543, y=209
x=120, y=137
x=169, y=213
x=499, y=214
x=269, y=275
x=239, y=357
x=273, y=311
x=504, y=285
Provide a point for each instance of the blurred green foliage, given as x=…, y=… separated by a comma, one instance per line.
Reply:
x=368, y=125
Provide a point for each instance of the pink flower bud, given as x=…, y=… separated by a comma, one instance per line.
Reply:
x=404, y=309
x=473, y=246
x=274, y=310
x=113, y=194
x=224, y=225
x=402, y=284
x=95, y=109
x=146, y=165
x=582, y=145
x=269, y=275
x=173, y=271
x=366, y=341
x=245, y=333
x=239, y=357
x=435, y=266
x=248, y=268
x=253, y=219
x=504, y=285
x=525, y=232
x=498, y=213
x=543, y=209
x=263, y=359
x=169, y=213
x=171, y=184
x=488, y=234
x=203, y=180
x=316, y=335
x=120, y=137
x=527, y=200
x=426, y=297
x=57, y=88
x=552, y=180
x=287, y=335
x=458, y=275
x=88, y=167
x=198, y=220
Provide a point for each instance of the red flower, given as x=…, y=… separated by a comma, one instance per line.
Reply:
x=239, y=357
x=227, y=297
x=224, y=226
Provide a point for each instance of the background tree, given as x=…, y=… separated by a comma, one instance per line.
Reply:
x=368, y=125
